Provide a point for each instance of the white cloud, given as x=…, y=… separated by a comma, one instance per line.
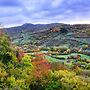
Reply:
x=9, y=11
x=14, y=20
x=32, y=5
x=56, y=3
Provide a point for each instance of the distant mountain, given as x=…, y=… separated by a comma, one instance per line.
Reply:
x=50, y=34
x=28, y=27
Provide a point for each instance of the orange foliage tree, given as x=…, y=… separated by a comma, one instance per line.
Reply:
x=41, y=65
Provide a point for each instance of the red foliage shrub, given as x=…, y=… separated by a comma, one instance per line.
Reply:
x=41, y=65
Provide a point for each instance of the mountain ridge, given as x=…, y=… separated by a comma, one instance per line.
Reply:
x=28, y=27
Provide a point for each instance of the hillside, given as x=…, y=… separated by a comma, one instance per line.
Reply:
x=43, y=69
x=59, y=42
x=28, y=27
x=54, y=34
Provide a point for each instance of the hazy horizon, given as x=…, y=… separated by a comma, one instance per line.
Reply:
x=9, y=26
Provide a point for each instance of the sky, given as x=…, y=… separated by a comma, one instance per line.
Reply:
x=17, y=12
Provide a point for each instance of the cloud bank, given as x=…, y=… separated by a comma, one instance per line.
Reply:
x=15, y=12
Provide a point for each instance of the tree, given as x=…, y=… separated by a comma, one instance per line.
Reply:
x=41, y=70
x=41, y=65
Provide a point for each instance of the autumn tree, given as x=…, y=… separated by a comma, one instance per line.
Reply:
x=41, y=65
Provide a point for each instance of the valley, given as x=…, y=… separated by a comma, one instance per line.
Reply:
x=63, y=43
x=45, y=57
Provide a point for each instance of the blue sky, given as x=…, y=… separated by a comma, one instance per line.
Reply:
x=16, y=12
